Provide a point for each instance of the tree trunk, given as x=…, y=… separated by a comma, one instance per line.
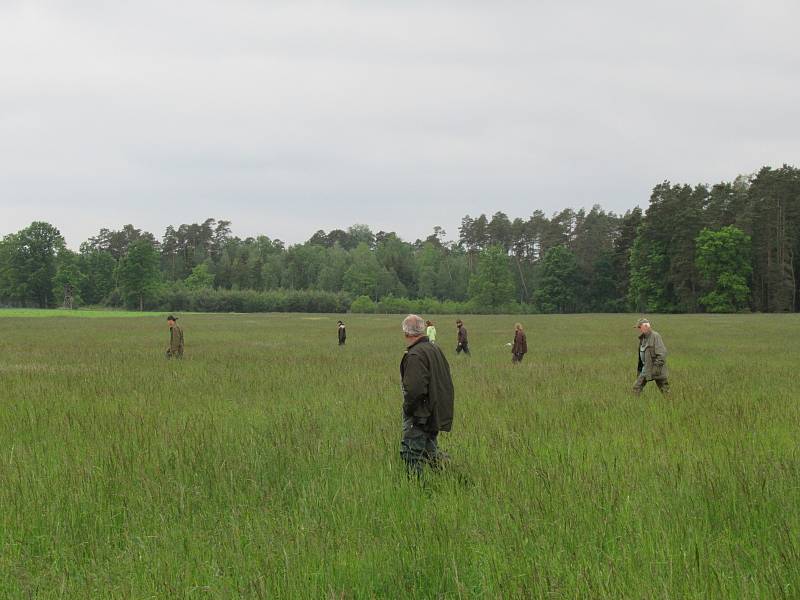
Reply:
x=522, y=277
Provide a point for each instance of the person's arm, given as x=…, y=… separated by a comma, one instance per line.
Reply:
x=416, y=377
x=659, y=352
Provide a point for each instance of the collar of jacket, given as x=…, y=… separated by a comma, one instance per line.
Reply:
x=424, y=338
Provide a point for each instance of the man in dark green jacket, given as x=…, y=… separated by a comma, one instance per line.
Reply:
x=427, y=397
x=652, y=359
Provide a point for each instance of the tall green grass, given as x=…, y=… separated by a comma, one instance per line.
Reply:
x=266, y=463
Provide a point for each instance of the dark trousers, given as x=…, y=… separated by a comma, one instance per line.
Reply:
x=418, y=447
x=462, y=347
x=517, y=358
x=663, y=385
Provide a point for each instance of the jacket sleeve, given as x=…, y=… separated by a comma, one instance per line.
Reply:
x=659, y=352
x=416, y=377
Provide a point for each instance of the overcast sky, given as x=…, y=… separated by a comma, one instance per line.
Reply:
x=290, y=117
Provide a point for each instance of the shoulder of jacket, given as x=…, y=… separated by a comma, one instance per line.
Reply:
x=420, y=349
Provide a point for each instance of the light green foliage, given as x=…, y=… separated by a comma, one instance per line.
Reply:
x=266, y=465
x=723, y=258
x=367, y=277
x=492, y=286
x=361, y=278
x=138, y=274
x=302, y=265
x=200, y=278
x=331, y=275
x=360, y=234
x=363, y=304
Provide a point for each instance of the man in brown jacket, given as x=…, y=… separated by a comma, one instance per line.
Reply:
x=463, y=340
x=427, y=397
x=652, y=359
x=175, y=349
x=520, y=346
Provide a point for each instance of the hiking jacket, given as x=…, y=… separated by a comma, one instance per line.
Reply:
x=431, y=333
x=462, y=335
x=655, y=356
x=520, y=343
x=342, y=333
x=176, y=341
x=427, y=386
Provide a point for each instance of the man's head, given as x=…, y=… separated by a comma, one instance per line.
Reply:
x=643, y=325
x=429, y=323
x=459, y=323
x=171, y=320
x=413, y=328
x=518, y=326
x=339, y=323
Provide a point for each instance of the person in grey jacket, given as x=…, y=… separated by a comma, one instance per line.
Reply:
x=175, y=349
x=652, y=359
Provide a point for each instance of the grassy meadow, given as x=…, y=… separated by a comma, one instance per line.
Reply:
x=266, y=465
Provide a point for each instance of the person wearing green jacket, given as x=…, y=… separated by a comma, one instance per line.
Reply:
x=175, y=349
x=428, y=397
x=652, y=364
x=431, y=331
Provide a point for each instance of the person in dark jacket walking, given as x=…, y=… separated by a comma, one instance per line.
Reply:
x=342, y=333
x=652, y=359
x=463, y=341
x=428, y=398
x=175, y=349
x=520, y=346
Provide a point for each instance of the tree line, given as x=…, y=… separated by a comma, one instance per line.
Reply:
x=730, y=247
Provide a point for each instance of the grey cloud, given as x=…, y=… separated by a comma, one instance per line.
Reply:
x=289, y=117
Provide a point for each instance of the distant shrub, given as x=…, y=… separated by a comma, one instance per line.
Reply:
x=177, y=297
x=363, y=304
x=430, y=306
x=395, y=306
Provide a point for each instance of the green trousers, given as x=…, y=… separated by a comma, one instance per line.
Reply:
x=418, y=447
x=663, y=385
